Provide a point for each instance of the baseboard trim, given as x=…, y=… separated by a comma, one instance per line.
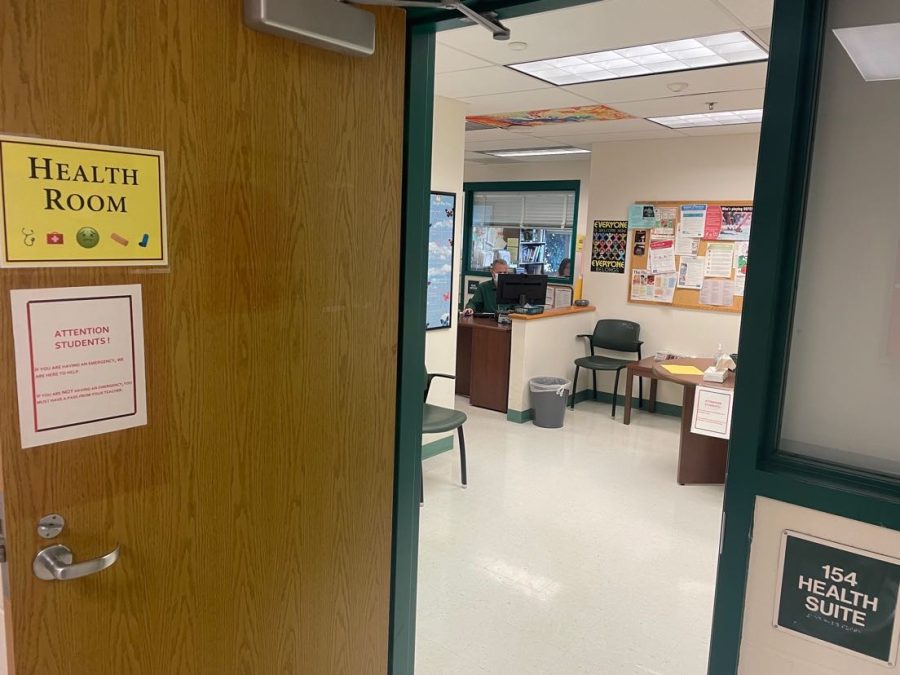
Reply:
x=437, y=447
x=522, y=416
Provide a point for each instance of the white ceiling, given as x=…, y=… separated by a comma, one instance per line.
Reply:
x=470, y=68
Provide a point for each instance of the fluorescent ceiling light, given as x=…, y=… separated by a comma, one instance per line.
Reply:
x=710, y=119
x=874, y=50
x=535, y=152
x=661, y=57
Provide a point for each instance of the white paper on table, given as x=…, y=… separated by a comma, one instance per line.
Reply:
x=693, y=219
x=713, y=407
x=690, y=272
x=79, y=361
x=662, y=257
x=719, y=258
x=719, y=292
x=739, y=283
x=686, y=245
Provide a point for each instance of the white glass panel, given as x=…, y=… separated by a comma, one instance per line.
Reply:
x=843, y=386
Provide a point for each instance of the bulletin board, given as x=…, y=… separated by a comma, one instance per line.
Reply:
x=688, y=298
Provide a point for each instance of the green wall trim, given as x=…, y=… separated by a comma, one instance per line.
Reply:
x=669, y=409
x=519, y=416
x=437, y=447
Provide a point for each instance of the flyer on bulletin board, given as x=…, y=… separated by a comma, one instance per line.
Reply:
x=641, y=216
x=693, y=220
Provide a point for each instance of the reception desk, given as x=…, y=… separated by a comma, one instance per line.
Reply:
x=482, y=362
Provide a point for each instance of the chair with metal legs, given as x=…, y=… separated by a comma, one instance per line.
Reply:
x=437, y=419
x=615, y=335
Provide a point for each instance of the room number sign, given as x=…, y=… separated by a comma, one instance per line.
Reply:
x=838, y=595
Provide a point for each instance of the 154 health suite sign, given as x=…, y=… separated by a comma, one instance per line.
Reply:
x=838, y=595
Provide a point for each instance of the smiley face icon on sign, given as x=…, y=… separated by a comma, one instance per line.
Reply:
x=87, y=237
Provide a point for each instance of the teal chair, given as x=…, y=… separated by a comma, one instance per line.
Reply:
x=437, y=419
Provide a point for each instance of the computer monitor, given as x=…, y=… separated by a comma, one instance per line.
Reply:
x=521, y=289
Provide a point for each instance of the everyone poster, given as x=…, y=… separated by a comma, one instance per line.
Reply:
x=736, y=221
x=439, y=293
x=610, y=243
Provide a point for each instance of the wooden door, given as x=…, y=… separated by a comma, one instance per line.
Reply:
x=254, y=510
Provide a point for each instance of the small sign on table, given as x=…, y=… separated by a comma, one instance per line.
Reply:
x=838, y=595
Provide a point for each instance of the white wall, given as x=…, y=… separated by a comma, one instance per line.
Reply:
x=447, y=159
x=697, y=168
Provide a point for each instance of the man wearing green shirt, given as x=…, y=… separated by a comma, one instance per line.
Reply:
x=485, y=297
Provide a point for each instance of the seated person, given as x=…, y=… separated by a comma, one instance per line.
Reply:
x=485, y=297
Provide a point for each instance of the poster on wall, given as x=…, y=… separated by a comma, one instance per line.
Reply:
x=610, y=243
x=736, y=221
x=839, y=596
x=439, y=295
x=80, y=205
x=79, y=361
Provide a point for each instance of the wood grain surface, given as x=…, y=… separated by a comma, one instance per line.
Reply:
x=254, y=510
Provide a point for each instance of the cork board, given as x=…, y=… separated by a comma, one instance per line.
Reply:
x=686, y=298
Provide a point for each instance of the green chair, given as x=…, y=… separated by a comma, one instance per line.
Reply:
x=437, y=419
x=615, y=335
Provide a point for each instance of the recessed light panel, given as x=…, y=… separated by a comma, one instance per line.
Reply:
x=710, y=119
x=535, y=152
x=662, y=57
x=874, y=50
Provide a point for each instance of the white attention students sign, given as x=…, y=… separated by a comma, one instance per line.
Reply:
x=79, y=361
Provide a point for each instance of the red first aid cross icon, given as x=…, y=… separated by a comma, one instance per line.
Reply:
x=54, y=238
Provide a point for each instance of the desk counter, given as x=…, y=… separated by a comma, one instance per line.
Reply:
x=551, y=313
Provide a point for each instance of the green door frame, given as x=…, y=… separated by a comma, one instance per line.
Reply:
x=755, y=467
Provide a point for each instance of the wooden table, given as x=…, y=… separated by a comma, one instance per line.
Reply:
x=482, y=362
x=642, y=368
x=701, y=459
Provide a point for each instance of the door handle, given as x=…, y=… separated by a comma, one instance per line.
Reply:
x=54, y=563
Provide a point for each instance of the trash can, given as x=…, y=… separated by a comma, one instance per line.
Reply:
x=548, y=400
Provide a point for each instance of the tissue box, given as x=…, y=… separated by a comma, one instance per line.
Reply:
x=713, y=375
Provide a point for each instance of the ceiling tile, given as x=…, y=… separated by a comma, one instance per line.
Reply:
x=686, y=105
x=764, y=35
x=464, y=84
x=722, y=130
x=587, y=140
x=593, y=27
x=517, y=142
x=447, y=60
x=752, y=13
x=600, y=127
x=725, y=78
x=539, y=99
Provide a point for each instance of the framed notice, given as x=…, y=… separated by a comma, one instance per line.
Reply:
x=712, y=411
x=839, y=596
x=438, y=308
x=79, y=361
x=80, y=205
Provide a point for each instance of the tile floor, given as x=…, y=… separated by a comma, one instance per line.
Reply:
x=572, y=551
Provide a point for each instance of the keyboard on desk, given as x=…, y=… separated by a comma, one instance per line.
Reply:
x=485, y=315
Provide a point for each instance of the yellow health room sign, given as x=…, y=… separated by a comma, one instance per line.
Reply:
x=76, y=204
